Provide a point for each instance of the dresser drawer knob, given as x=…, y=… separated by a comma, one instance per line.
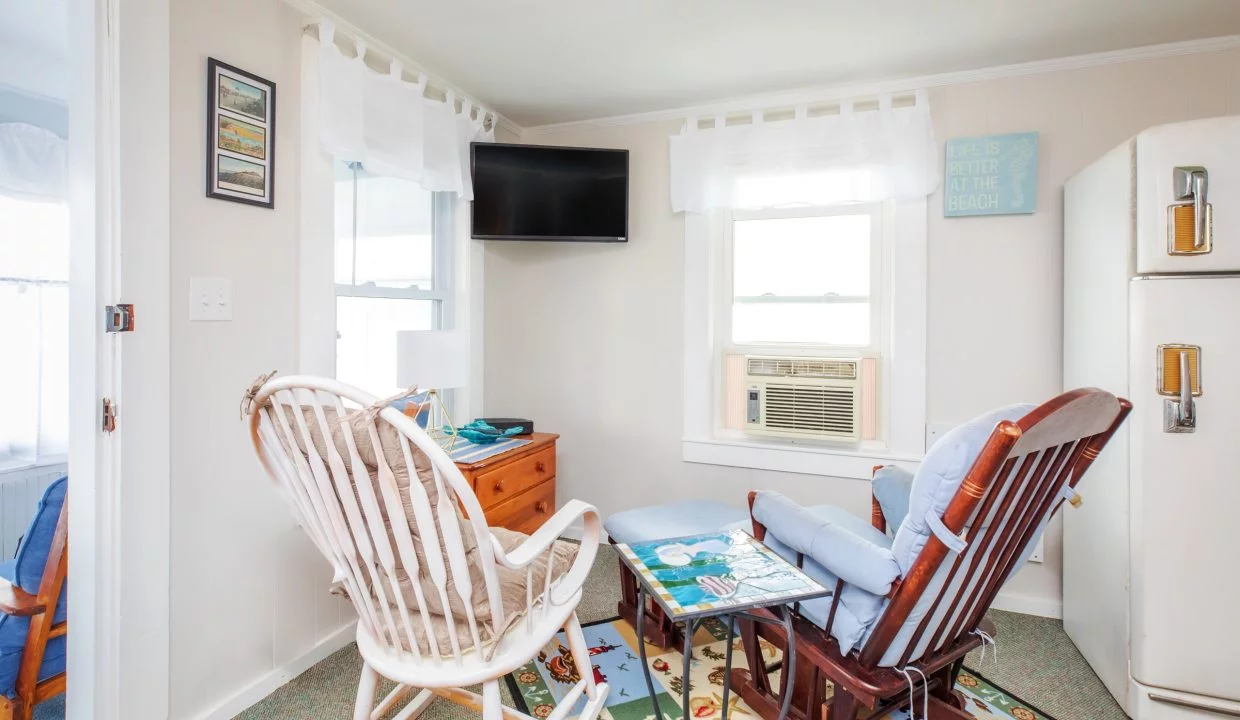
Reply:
x=499, y=486
x=540, y=507
x=540, y=466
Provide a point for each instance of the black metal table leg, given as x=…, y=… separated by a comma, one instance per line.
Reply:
x=789, y=660
x=688, y=663
x=641, y=650
x=727, y=668
x=790, y=664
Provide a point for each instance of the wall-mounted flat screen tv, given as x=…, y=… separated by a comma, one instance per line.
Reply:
x=533, y=192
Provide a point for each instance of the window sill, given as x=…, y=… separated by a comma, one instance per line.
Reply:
x=20, y=464
x=792, y=458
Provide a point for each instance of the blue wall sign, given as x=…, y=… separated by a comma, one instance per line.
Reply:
x=991, y=175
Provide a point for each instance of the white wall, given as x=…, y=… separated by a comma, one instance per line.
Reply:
x=587, y=339
x=249, y=594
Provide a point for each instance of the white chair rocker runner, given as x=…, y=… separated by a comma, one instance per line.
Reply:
x=419, y=562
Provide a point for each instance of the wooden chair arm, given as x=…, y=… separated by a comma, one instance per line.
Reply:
x=15, y=601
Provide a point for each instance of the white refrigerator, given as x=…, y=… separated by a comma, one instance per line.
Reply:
x=1152, y=313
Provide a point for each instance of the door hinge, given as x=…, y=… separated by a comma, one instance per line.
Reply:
x=118, y=318
x=109, y=415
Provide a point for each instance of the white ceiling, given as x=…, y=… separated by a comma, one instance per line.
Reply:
x=545, y=61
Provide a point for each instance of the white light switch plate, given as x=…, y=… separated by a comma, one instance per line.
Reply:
x=210, y=299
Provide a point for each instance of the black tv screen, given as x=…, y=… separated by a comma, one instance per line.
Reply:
x=532, y=192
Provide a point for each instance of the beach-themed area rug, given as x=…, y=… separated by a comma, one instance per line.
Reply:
x=538, y=686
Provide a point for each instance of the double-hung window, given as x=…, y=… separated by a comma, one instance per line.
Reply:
x=34, y=302
x=805, y=279
x=394, y=271
x=805, y=283
x=801, y=283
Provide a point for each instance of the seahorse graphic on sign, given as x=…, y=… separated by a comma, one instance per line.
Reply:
x=1021, y=158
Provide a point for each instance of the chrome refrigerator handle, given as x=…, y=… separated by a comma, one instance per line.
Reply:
x=1180, y=416
x=1192, y=183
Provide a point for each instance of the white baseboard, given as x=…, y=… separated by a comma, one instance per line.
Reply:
x=1026, y=605
x=272, y=681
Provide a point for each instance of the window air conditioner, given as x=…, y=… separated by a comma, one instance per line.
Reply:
x=803, y=397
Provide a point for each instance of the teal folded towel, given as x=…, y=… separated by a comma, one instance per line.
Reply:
x=481, y=433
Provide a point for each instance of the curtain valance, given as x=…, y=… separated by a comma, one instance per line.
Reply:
x=388, y=125
x=853, y=156
x=32, y=163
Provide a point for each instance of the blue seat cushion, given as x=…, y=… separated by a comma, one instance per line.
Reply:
x=864, y=556
x=657, y=522
x=13, y=631
x=851, y=548
x=26, y=571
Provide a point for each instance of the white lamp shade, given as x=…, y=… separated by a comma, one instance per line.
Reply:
x=432, y=359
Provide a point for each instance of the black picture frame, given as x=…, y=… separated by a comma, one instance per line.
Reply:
x=241, y=138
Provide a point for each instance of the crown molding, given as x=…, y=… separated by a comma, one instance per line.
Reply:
x=903, y=85
x=315, y=11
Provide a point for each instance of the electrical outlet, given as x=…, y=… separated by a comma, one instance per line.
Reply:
x=210, y=299
x=934, y=431
x=1038, y=553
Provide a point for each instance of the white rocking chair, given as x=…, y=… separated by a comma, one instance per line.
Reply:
x=429, y=582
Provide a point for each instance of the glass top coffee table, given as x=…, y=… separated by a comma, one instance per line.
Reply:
x=721, y=575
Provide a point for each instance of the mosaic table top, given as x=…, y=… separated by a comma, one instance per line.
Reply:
x=716, y=573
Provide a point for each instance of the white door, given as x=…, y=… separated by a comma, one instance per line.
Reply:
x=1184, y=171
x=1185, y=488
x=119, y=488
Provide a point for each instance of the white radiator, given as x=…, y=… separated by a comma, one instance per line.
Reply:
x=20, y=491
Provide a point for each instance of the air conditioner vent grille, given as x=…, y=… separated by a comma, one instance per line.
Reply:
x=798, y=367
x=810, y=408
x=803, y=397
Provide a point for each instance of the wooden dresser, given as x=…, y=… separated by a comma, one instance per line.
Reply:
x=517, y=488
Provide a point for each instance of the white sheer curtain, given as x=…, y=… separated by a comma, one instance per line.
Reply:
x=389, y=126
x=853, y=156
x=34, y=294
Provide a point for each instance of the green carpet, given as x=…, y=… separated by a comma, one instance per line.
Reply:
x=1036, y=662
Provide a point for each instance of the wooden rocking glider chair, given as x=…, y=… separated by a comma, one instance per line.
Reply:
x=906, y=610
x=443, y=601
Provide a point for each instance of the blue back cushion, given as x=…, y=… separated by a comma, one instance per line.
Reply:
x=37, y=542
x=891, y=487
x=26, y=571
x=939, y=476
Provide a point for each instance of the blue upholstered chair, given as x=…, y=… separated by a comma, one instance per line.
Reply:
x=33, y=606
x=908, y=606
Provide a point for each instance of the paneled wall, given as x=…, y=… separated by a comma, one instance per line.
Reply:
x=249, y=593
x=20, y=491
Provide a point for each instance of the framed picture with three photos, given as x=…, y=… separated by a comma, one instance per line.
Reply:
x=241, y=122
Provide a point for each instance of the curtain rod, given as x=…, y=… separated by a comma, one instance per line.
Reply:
x=447, y=90
x=777, y=112
x=316, y=14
